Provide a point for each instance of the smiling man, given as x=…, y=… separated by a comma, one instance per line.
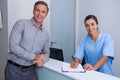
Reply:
x=28, y=45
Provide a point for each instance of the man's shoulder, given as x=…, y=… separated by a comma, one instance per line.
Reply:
x=23, y=20
x=21, y=23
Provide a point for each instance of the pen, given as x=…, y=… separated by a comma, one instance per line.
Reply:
x=73, y=59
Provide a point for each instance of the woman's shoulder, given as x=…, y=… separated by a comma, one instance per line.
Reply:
x=106, y=36
x=84, y=39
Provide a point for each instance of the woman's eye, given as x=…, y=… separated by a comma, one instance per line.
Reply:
x=92, y=24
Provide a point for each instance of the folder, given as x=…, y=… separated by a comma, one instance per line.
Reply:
x=66, y=68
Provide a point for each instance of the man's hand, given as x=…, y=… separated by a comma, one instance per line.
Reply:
x=39, y=60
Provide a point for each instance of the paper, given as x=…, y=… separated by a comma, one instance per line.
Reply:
x=66, y=68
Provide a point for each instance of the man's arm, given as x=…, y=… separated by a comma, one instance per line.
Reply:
x=14, y=42
x=40, y=59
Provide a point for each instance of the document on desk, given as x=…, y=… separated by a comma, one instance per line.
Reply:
x=66, y=68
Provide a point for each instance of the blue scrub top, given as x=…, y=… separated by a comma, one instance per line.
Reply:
x=94, y=51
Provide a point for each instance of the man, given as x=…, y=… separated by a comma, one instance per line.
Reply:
x=29, y=45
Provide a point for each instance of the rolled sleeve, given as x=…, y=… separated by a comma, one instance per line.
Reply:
x=109, y=47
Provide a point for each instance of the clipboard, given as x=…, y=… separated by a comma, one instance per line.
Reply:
x=66, y=68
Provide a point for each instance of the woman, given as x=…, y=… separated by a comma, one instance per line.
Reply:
x=97, y=49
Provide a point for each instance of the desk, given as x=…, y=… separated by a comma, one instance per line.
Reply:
x=52, y=71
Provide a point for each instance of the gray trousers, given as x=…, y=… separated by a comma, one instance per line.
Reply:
x=13, y=72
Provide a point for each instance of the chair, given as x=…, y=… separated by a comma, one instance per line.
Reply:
x=56, y=53
x=83, y=61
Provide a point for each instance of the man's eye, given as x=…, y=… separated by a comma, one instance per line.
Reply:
x=87, y=25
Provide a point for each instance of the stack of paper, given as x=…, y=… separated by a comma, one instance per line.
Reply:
x=66, y=68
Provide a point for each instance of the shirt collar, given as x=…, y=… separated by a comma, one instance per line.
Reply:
x=32, y=20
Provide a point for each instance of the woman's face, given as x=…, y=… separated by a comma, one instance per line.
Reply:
x=91, y=26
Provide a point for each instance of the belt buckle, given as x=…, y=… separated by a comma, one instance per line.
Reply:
x=13, y=63
x=21, y=67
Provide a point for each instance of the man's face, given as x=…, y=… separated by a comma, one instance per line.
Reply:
x=40, y=12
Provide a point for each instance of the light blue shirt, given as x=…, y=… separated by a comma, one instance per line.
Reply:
x=94, y=51
x=26, y=41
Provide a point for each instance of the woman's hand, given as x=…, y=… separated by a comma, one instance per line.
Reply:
x=74, y=63
x=88, y=67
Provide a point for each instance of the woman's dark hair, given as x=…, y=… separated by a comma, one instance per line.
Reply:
x=91, y=17
x=43, y=3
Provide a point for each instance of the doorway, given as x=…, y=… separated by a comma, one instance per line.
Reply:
x=62, y=30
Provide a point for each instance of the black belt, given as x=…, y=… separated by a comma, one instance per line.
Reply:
x=20, y=66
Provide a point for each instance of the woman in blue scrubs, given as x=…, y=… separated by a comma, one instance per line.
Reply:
x=97, y=49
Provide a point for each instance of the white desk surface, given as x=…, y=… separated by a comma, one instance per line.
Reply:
x=56, y=66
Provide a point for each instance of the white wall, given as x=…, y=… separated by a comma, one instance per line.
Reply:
x=23, y=9
x=108, y=14
x=3, y=37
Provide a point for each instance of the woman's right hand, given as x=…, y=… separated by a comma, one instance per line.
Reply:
x=74, y=63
